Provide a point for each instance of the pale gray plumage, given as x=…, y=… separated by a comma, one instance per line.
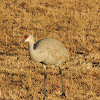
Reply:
x=49, y=52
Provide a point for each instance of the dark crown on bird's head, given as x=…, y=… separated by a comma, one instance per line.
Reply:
x=26, y=36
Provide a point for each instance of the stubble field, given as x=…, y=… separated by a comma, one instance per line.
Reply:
x=76, y=23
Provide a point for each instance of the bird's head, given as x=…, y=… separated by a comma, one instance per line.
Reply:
x=27, y=38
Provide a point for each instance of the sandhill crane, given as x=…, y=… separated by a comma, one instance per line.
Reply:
x=48, y=52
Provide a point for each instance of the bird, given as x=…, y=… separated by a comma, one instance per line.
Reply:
x=47, y=51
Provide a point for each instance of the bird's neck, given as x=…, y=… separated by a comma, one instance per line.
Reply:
x=31, y=48
x=31, y=45
x=35, y=54
x=32, y=52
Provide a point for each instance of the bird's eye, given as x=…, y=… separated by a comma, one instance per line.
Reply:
x=27, y=36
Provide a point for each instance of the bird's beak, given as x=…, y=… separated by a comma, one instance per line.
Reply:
x=21, y=41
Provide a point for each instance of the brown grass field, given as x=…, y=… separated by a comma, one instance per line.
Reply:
x=76, y=23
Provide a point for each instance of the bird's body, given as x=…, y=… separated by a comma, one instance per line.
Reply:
x=49, y=52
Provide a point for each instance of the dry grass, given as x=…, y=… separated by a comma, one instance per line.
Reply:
x=76, y=23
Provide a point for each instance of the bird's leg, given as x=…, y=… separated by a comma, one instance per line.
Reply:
x=63, y=92
x=45, y=77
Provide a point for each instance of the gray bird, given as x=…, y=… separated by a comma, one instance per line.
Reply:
x=48, y=52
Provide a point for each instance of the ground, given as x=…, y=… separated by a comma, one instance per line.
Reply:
x=76, y=23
